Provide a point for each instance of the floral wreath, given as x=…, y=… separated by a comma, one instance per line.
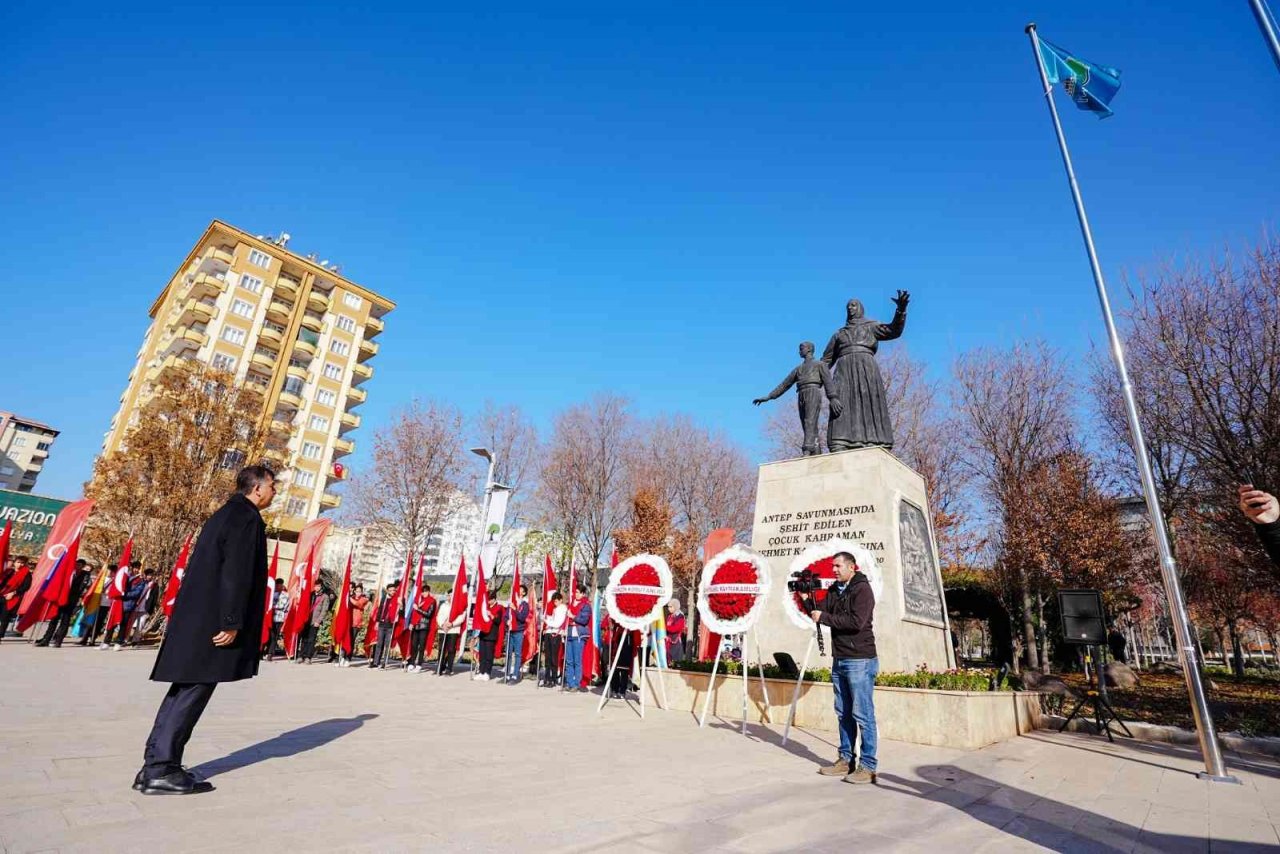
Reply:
x=733, y=590
x=628, y=602
x=820, y=558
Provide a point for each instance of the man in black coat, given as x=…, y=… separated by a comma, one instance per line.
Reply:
x=214, y=632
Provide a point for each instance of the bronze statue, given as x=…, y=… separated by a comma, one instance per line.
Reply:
x=812, y=380
x=851, y=356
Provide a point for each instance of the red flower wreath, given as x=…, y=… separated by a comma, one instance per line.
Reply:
x=639, y=604
x=732, y=606
x=824, y=568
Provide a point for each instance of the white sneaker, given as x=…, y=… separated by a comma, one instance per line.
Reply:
x=116, y=647
x=104, y=645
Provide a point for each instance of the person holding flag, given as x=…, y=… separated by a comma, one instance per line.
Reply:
x=170, y=597
x=56, y=632
x=358, y=603
x=13, y=587
x=422, y=621
x=277, y=613
x=100, y=597
x=215, y=631
x=517, y=624
x=387, y=615
x=553, y=624
x=90, y=607
x=340, y=629
x=123, y=599
x=578, y=628
x=53, y=599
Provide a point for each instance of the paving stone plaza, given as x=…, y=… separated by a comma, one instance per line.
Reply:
x=317, y=758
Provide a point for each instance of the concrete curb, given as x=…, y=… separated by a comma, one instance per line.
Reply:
x=1231, y=741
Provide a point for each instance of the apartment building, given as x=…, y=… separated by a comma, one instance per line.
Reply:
x=24, y=448
x=291, y=326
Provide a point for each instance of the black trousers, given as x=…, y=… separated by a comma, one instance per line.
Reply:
x=620, y=682
x=58, y=626
x=309, y=634
x=448, y=652
x=99, y=622
x=551, y=658
x=273, y=639
x=179, y=712
x=382, y=652
x=417, y=645
x=487, y=650
x=5, y=618
x=121, y=630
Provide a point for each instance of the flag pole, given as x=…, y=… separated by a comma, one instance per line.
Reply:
x=1215, y=769
x=1267, y=24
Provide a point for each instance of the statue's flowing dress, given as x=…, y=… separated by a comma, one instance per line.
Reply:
x=851, y=356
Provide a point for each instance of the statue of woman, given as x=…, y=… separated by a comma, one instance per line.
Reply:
x=851, y=357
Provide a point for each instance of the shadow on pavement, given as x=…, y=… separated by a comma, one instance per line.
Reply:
x=1161, y=753
x=1039, y=819
x=285, y=744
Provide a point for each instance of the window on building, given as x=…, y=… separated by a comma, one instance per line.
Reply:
x=223, y=362
x=324, y=397
x=232, y=334
x=296, y=507
x=242, y=308
x=304, y=478
x=18, y=442
x=7, y=470
x=232, y=460
x=332, y=371
x=310, y=451
x=43, y=446
x=251, y=283
x=259, y=259
x=258, y=381
x=342, y=348
x=352, y=300
x=294, y=385
x=319, y=422
x=346, y=324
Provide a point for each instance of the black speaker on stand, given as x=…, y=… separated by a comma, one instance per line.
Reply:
x=1084, y=624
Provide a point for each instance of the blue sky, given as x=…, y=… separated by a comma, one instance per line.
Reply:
x=659, y=202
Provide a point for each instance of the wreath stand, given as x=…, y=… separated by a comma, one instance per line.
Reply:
x=644, y=656
x=746, y=681
x=795, y=695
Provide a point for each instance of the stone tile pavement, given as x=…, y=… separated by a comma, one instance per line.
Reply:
x=316, y=758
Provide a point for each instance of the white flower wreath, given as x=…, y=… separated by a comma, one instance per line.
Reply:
x=662, y=591
x=866, y=562
x=741, y=624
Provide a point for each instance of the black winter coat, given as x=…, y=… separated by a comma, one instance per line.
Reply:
x=850, y=616
x=225, y=587
x=1270, y=536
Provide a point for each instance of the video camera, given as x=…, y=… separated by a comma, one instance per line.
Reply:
x=806, y=582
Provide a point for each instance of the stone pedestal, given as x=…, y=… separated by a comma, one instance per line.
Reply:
x=871, y=498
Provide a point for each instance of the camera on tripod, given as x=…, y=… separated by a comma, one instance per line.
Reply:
x=805, y=583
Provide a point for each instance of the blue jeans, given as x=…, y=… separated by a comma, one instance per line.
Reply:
x=515, y=650
x=573, y=662
x=854, y=680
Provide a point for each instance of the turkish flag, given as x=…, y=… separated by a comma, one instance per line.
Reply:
x=300, y=607
x=175, y=578
x=342, y=616
x=271, y=595
x=66, y=528
x=481, y=617
x=458, y=604
x=56, y=590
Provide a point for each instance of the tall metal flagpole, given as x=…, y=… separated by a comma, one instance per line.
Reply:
x=1214, y=768
x=1267, y=24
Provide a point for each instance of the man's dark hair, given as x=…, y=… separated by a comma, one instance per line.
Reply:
x=580, y=588
x=555, y=594
x=849, y=557
x=250, y=476
x=82, y=562
x=279, y=582
x=426, y=588
x=491, y=595
x=149, y=572
x=524, y=590
x=137, y=564
x=113, y=566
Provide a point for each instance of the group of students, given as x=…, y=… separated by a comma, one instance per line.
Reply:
x=88, y=603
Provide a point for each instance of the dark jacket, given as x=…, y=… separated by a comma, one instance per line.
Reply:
x=79, y=584
x=580, y=623
x=225, y=587
x=320, y=602
x=1270, y=536
x=495, y=626
x=129, y=601
x=387, y=610
x=850, y=615
x=521, y=617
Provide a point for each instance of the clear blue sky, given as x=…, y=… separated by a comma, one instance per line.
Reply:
x=660, y=202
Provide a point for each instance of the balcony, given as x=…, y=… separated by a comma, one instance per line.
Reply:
x=373, y=326
x=194, y=334
x=350, y=421
x=263, y=358
x=288, y=398
x=197, y=311
x=342, y=447
x=275, y=455
x=169, y=363
x=218, y=253
x=357, y=395
x=207, y=285
x=279, y=310
x=305, y=347
x=317, y=300
x=313, y=321
x=329, y=500
x=258, y=383
x=282, y=428
x=368, y=349
x=271, y=336
x=360, y=372
x=299, y=371
x=287, y=286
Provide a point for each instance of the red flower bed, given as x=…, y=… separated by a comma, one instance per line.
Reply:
x=731, y=606
x=639, y=604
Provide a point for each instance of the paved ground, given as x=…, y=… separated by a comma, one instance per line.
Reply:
x=309, y=758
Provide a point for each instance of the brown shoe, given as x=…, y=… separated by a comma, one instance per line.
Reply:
x=840, y=769
x=862, y=775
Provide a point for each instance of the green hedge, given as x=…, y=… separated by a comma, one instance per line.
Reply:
x=946, y=680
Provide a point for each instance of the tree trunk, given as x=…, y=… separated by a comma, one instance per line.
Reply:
x=1028, y=629
x=1237, y=653
x=1044, y=634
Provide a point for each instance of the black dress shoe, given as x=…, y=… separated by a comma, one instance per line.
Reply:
x=175, y=783
x=41, y=643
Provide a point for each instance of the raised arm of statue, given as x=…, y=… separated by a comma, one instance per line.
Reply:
x=787, y=383
x=893, y=329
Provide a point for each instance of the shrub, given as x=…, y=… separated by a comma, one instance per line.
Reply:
x=946, y=680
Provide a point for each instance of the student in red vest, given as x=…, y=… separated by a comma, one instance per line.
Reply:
x=424, y=611
x=386, y=619
x=552, y=637
x=15, y=581
x=489, y=637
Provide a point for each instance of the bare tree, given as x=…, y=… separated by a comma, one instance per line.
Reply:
x=416, y=472
x=1013, y=409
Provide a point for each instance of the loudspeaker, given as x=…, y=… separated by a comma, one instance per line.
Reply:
x=1082, y=620
x=786, y=665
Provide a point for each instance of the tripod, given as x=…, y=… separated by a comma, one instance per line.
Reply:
x=1103, y=713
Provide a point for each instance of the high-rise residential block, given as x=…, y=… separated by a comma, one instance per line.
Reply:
x=24, y=448
x=289, y=325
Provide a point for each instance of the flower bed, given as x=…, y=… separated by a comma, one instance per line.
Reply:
x=923, y=678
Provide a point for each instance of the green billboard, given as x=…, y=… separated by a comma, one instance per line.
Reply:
x=32, y=517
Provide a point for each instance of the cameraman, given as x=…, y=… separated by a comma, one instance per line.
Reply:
x=849, y=609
